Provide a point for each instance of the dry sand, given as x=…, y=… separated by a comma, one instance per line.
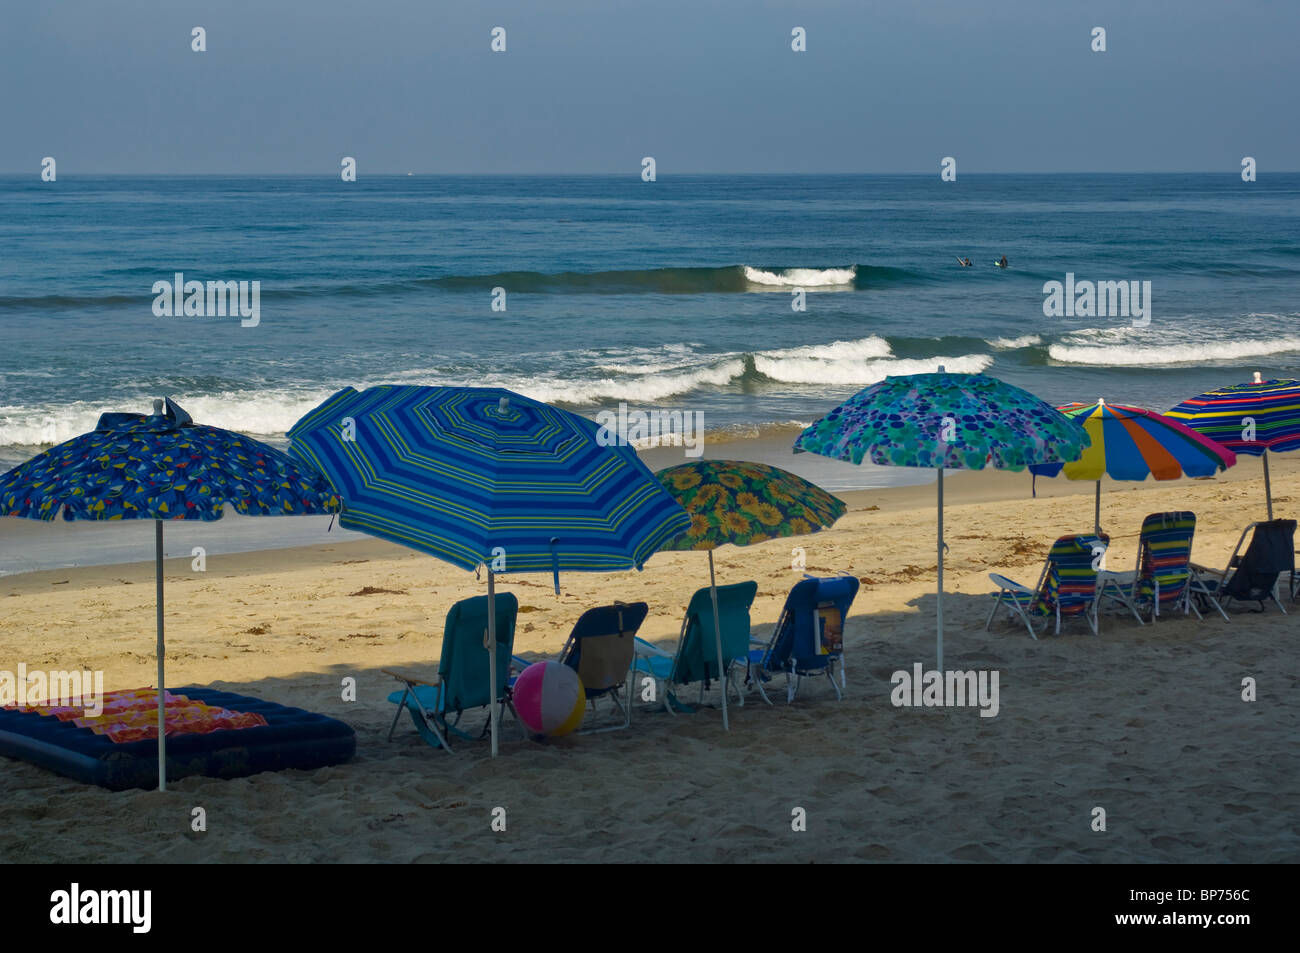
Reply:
x=1145, y=722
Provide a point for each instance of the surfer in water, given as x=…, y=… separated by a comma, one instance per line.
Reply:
x=964, y=262
x=1003, y=262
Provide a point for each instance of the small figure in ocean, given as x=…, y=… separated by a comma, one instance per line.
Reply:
x=1003, y=262
x=964, y=262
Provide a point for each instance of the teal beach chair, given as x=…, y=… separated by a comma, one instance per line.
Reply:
x=437, y=701
x=696, y=658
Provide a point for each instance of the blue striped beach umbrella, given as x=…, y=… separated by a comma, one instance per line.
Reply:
x=1248, y=418
x=161, y=467
x=485, y=476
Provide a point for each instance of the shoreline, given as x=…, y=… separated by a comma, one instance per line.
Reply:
x=306, y=535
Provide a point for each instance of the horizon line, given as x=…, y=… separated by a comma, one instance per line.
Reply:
x=633, y=174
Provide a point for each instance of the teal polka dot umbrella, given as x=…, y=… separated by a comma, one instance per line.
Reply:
x=945, y=421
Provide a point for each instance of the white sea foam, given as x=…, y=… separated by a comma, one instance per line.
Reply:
x=855, y=371
x=809, y=278
x=634, y=388
x=1136, y=354
x=1010, y=344
x=262, y=413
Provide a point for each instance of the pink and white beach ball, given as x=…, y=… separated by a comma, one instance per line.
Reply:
x=549, y=699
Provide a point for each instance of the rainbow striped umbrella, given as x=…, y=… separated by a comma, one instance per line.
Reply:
x=1129, y=443
x=1248, y=418
x=480, y=476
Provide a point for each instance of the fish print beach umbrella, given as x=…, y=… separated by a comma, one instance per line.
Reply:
x=1251, y=418
x=161, y=467
x=1129, y=443
x=743, y=503
x=945, y=421
x=484, y=476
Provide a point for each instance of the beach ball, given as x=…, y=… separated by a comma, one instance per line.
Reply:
x=549, y=699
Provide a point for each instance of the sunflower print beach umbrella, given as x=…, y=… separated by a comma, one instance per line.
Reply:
x=741, y=504
x=952, y=421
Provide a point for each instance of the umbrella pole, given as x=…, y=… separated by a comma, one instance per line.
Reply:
x=162, y=693
x=940, y=611
x=1096, y=511
x=1268, y=487
x=717, y=635
x=491, y=643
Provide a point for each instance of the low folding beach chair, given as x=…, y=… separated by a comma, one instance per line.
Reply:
x=808, y=638
x=1067, y=586
x=1256, y=574
x=1164, y=568
x=436, y=701
x=601, y=649
x=696, y=658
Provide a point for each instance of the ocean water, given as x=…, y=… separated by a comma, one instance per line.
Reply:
x=671, y=295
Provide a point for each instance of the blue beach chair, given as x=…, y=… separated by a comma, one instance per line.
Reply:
x=808, y=637
x=437, y=701
x=696, y=658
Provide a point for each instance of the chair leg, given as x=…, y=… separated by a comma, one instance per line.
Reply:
x=401, y=707
x=992, y=612
x=830, y=673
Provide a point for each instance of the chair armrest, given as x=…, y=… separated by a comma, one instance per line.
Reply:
x=642, y=647
x=411, y=678
x=1005, y=583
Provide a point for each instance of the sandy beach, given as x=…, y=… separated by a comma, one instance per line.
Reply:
x=1145, y=722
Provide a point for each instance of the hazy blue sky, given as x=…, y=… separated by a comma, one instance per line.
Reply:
x=594, y=85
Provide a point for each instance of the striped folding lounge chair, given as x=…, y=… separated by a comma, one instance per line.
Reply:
x=1252, y=576
x=1066, y=587
x=436, y=701
x=1163, y=576
x=808, y=637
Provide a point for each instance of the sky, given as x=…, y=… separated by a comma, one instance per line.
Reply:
x=592, y=86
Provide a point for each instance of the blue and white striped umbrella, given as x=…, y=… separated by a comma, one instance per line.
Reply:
x=483, y=475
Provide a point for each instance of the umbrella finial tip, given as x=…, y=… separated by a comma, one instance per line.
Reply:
x=1101, y=401
x=1259, y=378
x=942, y=369
x=157, y=406
x=503, y=404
